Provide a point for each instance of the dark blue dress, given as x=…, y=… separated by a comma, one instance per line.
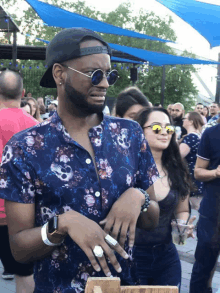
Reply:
x=193, y=140
x=155, y=255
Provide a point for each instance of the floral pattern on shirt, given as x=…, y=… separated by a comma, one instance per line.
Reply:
x=212, y=122
x=45, y=166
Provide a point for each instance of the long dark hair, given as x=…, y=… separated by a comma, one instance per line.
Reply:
x=172, y=161
x=129, y=97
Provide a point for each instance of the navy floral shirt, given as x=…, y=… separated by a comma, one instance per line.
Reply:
x=45, y=166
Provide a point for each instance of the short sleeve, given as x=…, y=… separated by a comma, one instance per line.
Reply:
x=147, y=170
x=16, y=176
x=188, y=140
x=204, y=147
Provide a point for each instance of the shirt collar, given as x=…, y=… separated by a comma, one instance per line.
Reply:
x=57, y=122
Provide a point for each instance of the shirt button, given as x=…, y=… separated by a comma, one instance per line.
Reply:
x=97, y=194
x=88, y=161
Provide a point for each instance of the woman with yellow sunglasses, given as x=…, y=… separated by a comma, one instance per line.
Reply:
x=155, y=254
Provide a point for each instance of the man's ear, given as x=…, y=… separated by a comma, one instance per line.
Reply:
x=59, y=74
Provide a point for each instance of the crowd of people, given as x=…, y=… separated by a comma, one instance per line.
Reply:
x=89, y=193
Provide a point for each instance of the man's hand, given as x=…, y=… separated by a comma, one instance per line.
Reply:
x=217, y=174
x=88, y=234
x=123, y=216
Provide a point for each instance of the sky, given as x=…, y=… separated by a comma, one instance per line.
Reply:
x=187, y=37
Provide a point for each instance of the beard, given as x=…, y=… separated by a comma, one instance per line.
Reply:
x=177, y=118
x=77, y=100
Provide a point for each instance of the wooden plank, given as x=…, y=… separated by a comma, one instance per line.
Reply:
x=107, y=285
x=149, y=289
x=97, y=289
x=112, y=285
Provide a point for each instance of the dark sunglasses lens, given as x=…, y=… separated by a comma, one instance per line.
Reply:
x=112, y=77
x=97, y=77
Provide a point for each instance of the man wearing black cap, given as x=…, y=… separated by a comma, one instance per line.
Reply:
x=76, y=183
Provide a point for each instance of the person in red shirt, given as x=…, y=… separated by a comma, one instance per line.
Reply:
x=13, y=119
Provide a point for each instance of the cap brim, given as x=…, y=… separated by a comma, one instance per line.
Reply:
x=47, y=80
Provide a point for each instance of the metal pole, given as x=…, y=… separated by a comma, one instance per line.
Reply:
x=217, y=95
x=133, y=81
x=163, y=85
x=133, y=74
x=14, y=49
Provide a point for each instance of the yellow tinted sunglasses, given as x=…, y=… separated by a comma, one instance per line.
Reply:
x=158, y=128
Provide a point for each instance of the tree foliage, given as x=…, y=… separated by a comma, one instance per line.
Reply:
x=179, y=86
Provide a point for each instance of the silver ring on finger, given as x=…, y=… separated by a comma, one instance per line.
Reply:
x=98, y=251
x=110, y=240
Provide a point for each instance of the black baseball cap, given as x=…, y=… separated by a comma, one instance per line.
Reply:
x=66, y=46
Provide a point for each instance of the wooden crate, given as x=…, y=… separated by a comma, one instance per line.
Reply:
x=113, y=285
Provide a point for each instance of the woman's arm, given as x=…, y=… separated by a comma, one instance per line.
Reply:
x=182, y=210
x=182, y=213
x=184, y=149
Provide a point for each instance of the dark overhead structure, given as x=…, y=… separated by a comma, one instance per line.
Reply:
x=39, y=53
x=7, y=25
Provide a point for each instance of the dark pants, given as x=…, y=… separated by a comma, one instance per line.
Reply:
x=206, y=256
x=158, y=265
x=9, y=263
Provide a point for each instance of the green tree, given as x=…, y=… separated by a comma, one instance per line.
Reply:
x=179, y=85
x=150, y=78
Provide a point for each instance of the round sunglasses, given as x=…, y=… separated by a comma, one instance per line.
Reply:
x=158, y=128
x=98, y=75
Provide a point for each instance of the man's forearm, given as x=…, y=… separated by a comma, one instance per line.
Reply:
x=27, y=245
x=149, y=220
x=204, y=175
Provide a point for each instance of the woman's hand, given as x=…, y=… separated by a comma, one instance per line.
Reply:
x=88, y=234
x=123, y=216
x=191, y=227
